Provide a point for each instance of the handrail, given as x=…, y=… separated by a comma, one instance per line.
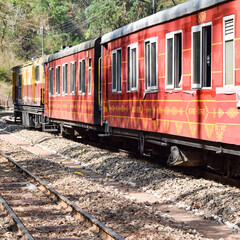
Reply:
x=105, y=78
x=14, y=86
x=44, y=80
x=22, y=86
x=99, y=81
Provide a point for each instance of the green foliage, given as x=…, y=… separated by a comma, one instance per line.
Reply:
x=107, y=15
x=4, y=75
x=65, y=22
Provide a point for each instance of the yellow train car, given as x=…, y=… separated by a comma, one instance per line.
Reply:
x=28, y=92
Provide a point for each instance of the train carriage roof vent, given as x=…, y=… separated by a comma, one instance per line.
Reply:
x=229, y=27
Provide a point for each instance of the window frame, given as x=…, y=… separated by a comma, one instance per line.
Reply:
x=49, y=81
x=115, y=51
x=74, y=77
x=198, y=28
x=171, y=35
x=90, y=76
x=151, y=88
x=56, y=92
x=225, y=39
x=64, y=93
x=129, y=63
x=80, y=91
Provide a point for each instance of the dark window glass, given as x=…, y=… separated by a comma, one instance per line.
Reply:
x=117, y=71
x=132, y=68
x=151, y=65
x=58, y=80
x=65, y=78
x=170, y=62
x=37, y=78
x=82, y=76
x=51, y=81
x=174, y=60
x=73, y=78
x=196, y=58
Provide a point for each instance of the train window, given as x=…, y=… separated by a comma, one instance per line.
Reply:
x=151, y=50
x=228, y=50
x=65, y=79
x=50, y=79
x=132, y=67
x=57, y=82
x=174, y=60
x=37, y=78
x=73, y=77
x=89, y=75
x=201, y=56
x=117, y=70
x=82, y=76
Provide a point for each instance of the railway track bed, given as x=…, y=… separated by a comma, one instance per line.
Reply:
x=141, y=200
x=42, y=212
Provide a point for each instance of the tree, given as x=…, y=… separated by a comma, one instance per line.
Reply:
x=106, y=15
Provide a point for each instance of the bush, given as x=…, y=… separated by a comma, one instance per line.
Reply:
x=5, y=75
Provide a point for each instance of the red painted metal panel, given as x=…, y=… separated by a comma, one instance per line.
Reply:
x=72, y=107
x=186, y=112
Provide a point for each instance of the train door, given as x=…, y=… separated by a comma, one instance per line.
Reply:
x=19, y=88
x=36, y=90
x=206, y=52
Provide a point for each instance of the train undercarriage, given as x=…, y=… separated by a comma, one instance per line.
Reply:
x=172, y=150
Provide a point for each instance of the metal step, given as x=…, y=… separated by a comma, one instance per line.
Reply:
x=49, y=127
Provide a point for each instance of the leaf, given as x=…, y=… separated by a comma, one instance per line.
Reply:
x=79, y=173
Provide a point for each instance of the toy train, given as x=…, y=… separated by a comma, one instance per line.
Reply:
x=171, y=80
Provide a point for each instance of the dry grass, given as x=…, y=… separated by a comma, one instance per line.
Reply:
x=5, y=90
x=7, y=61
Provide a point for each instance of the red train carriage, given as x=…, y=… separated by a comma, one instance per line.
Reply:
x=28, y=92
x=173, y=78
x=72, y=86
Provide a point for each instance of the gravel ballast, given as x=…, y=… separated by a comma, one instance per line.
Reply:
x=201, y=197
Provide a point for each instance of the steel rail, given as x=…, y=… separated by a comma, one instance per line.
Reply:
x=20, y=225
x=104, y=231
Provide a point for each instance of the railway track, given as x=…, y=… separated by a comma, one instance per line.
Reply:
x=39, y=212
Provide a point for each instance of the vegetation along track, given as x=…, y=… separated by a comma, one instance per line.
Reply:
x=40, y=212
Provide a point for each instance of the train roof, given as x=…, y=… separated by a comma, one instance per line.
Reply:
x=72, y=50
x=161, y=17
x=34, y=62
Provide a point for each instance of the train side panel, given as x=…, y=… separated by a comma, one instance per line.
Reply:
x=73, y=100
x=208, y=112
x=28, y=92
